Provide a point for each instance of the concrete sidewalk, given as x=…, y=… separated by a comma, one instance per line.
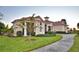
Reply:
x=61, y=46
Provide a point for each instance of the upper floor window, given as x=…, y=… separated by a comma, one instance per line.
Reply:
x=40, y=27
x=40, y=23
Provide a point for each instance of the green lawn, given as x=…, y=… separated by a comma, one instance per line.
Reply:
x=14, y=44
x=75, y=47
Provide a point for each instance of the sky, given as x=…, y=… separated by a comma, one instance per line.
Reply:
x=56, y=13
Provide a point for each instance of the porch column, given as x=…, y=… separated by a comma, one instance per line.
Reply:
x=25, y=29
x=15, y=33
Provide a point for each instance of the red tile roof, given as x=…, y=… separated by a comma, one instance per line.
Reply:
x=41, y=20
x=47, y=21
x=58, y=23
x=25, y=18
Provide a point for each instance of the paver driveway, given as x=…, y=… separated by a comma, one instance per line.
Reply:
x=61, y=46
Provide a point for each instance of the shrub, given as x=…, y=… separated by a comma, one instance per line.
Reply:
x=78, y=33
x=42, y=35
x=60, y=32
x=49, y=32
x=46, y=35
x=19, y=33
x=33, y=34
x=9, y=34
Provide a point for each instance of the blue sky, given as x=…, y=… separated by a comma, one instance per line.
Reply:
x=56, y=13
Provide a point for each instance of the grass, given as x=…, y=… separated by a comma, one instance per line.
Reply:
x=75, y=47
x=20, y=44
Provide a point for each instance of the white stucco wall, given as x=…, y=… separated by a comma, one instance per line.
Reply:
x=37, y=29
x=16, y=28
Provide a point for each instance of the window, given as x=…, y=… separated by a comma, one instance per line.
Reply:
x=40, y=27
x=40, y=23
x=49, y=28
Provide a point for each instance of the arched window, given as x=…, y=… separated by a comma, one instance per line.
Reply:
x=40, y=23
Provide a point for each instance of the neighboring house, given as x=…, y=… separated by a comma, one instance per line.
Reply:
x=40, y=26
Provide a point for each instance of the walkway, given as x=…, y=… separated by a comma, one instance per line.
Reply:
x=61, y=46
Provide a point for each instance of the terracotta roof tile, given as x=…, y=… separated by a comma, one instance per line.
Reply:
x=25, y=18
x=41, y=20
x=47, y=21
x=58, y=23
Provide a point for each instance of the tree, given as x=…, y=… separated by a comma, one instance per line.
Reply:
x=78, y=25
x=64, y=20
x=74, y=29
x=30, y=24
x=6, y=28
x=78, y=28
x=1, y=16
x=10, y=31
x=2, y=28
x=70, y=30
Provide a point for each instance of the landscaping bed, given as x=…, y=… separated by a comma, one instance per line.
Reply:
x=22, y=44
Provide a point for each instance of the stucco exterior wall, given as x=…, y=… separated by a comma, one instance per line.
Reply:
x=59, y=28
x=49, y=24
x=40, y=29
x=16, y=28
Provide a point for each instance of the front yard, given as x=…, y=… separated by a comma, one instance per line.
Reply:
x=75, y=47
x=18, y=44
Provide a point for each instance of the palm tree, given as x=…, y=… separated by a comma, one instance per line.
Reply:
x=2, y=27
x=30, y=28
x=1, y=16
